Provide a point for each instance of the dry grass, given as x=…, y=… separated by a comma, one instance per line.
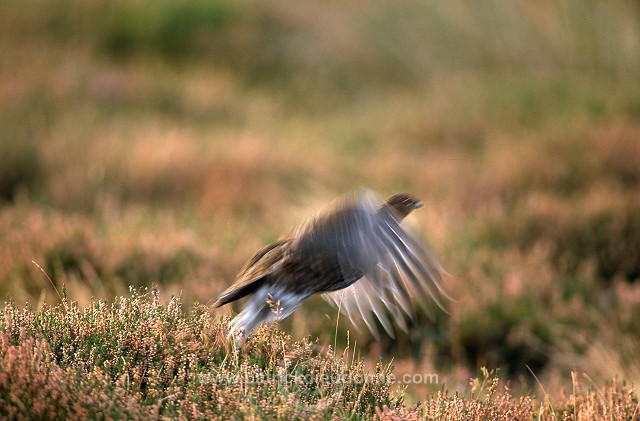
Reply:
x=144, y=144
x=139, y=358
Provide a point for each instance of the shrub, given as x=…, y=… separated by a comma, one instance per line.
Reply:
x=606, y=235
x=174, y=30
x=142, y=359
x=19, y=167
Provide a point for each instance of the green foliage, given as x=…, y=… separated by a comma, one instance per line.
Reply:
x=512, y=336
x=19, y=168
x=142, y=266
x=139, y=358
x=173, y=29
x=607, y=238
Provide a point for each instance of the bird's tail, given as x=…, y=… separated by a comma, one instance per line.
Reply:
x=235, y=292
x=254, y=274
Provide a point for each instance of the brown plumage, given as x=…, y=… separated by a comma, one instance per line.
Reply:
x=355, y=252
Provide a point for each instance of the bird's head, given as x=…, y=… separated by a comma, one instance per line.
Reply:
x=403, y=204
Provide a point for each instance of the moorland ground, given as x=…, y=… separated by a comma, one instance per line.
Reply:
x=155, y=144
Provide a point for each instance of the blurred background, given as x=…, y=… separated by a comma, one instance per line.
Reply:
x=161, y=143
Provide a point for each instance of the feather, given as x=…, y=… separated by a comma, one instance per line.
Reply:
x=356, y=254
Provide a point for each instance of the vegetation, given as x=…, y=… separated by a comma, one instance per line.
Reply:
x=155, y=144
x=137, y=358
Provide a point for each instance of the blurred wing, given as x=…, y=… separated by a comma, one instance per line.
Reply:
x=252, y=274
x=411, y=268
x=262, y=261
x=346, y=229
x=364, y=299
x=404, y=273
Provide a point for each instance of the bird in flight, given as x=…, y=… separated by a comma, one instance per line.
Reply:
x=356, y=254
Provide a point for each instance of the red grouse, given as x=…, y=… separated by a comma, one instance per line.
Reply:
x=355, y=253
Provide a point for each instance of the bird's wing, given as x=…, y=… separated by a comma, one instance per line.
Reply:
x=343, y=229
x=403, y=272
x=253, y=273
x=258, y=263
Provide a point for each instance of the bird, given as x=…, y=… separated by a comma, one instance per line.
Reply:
x=356, y=254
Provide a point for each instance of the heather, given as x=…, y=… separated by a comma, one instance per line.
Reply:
x=143, y=359
x=138, y=358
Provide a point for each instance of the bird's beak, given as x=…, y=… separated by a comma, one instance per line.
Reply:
x=418, y=205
